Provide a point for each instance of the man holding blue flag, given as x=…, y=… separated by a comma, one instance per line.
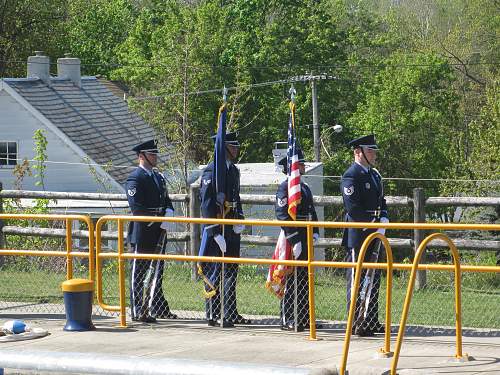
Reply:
x=220, y=198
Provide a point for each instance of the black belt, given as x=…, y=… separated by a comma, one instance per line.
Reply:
x=157, y=211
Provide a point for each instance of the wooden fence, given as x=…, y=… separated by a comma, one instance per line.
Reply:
x=417, y=202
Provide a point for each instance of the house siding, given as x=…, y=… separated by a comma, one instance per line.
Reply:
x=18, y=124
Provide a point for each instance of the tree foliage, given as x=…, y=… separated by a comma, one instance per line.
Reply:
x=26, y=26
x=421, y=74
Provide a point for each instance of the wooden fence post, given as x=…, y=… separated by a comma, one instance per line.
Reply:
x=194, y=229
x=418, y=234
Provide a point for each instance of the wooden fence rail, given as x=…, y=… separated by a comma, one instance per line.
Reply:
x=418, y=202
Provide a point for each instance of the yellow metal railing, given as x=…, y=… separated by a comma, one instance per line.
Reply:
x=409, y=292
x=68, y=253
x=386, y=350
x=310, y=263
x=121, y=256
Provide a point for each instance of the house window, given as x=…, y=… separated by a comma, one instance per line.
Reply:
x=8, y=153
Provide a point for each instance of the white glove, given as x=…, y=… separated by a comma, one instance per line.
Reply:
x=169, y=227
x=238, y=228
x=382, y=220
x=221, y=242
x=315, y=237
x=297, y=249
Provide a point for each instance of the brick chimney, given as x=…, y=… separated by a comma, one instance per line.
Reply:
x=69, y=68
x=39, y=67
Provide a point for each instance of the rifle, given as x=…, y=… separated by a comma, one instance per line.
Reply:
x=366, y=289
x=148, y=279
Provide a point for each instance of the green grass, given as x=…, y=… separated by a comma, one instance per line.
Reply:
x=431, y=306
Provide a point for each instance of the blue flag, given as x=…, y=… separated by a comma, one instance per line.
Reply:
x=210, y=272
x=220, y=169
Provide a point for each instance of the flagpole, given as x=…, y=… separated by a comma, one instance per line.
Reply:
x=295, y=282
x=223, y=214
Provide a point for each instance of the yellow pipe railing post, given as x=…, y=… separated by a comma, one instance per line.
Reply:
x=354, y=297
x=98, y=267
x=92, y=256
x=310, y=270
x=409, y=292
x=386, y=351
x=98, y=262
x=121, y=275
x=69, y=246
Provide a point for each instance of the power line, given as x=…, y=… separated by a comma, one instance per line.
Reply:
x=333, y=177
x=219, y=90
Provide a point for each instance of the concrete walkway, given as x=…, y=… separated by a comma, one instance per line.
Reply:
x=424, y=350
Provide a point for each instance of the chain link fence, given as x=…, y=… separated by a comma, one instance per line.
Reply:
x=32, y=285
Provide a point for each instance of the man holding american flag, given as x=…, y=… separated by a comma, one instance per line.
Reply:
x=294, y=201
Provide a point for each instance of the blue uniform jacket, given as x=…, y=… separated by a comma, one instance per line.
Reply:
x=209, y=208
x=305, y=212
x=146, y=198
x=364, y=201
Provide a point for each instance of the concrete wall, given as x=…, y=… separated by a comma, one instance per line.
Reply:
x=18, y=124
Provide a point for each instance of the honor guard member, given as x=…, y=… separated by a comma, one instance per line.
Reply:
x=225, y=240
x=147, y=196
x=363, y=196
x=297, y=237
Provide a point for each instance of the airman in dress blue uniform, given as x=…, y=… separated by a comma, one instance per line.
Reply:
x=217, y=240
x=363, y=196
x=147, y=196
x=297, y=237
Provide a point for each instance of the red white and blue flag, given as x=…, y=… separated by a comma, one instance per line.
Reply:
x=294, y=195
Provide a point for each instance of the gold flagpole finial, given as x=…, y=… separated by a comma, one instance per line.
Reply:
x=224, y=94
x=292, y=92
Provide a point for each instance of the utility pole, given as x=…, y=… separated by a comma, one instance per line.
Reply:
x=314, y=93
x=317, y=153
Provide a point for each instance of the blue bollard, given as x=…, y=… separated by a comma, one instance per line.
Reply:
x=78, y=296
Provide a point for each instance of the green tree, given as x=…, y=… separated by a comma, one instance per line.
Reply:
x=413, y=116
x=177, y=48
x=94, y=29
x=26, y=25
x=40, y=157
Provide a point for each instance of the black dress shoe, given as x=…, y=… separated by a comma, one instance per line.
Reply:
x=240, y=320
x=225, y=323
x=167, y=315
x=318, y=326
x=378, y=328
x=291, y=327
x=211, y=322
x=364, y=332
x=145, y=319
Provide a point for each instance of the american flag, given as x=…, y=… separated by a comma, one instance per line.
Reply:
x=294, y=195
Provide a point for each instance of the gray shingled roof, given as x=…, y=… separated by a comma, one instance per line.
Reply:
x=93, y=117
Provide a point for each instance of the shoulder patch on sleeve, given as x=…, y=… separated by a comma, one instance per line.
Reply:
x=349, y=190
x=206, y=181
x=282, y=202
x=131, y=191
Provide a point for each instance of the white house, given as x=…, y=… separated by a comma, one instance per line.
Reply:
x=90, y=131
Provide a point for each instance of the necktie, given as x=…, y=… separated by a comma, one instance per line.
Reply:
x=374, y=178
x=155, y=180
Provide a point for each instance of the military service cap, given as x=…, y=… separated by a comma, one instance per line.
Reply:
x=150, y=146
x=367, y=141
